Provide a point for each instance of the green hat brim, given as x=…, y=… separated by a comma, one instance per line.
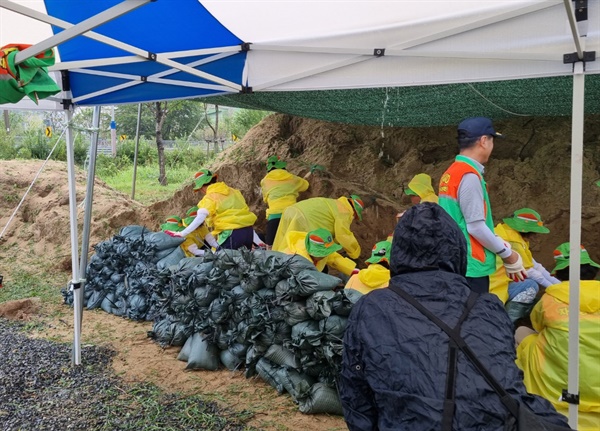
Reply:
x=376, y=259
x=524, y=227
x=174, y=227
x=564, y=263
x=322, y=251
x=409, y=192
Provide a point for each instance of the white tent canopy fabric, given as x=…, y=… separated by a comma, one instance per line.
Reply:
x=134, y=51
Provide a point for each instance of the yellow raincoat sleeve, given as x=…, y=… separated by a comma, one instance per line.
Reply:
x=340, y=263
x=342, y=233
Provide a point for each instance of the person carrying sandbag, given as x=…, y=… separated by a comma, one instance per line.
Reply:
x=225, y=211
x=280, y=189
x=335, y=215
x=318, y=247
x=377, y=274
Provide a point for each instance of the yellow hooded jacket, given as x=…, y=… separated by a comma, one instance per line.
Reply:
x=421, y=185
x=335, y=215
x=543, y=357
x=280, y=189
x=196, y=237
x=295, y=244
x=227, y=209
x=373, y=277
x=499, y=280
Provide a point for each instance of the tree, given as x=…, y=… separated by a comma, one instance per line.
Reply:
x=244, y=119
x=160, y=110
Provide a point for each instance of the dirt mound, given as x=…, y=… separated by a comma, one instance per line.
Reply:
x=20, y=309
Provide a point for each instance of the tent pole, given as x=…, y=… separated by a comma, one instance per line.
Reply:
x=87, y=215
x=575, y=234
x=135, y=153
x=76, y=281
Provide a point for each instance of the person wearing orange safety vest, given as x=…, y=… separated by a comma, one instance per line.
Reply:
x=319, y=248
x=225, y=211
x=377, y=274
x=463, y=194
x=335, y=215
x=280, y=189
x=543, y=353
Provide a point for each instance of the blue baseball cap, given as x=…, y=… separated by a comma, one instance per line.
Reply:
x=475, y=127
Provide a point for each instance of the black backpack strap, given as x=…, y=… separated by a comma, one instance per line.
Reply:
x=509, y=402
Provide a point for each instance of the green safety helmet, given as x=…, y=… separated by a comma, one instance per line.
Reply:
x=273, y=162
x=319, y=243
x=381, y=252
x=526, y=220
x=358, y=205
x=203, y=177
x=562, y=256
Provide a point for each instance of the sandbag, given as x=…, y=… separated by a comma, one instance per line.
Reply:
x=321, y=399
x=333, y=327
x=161, y=254
x=96, y=299
x=184, y=353
x=281, y=356
x=296, y=384
x=295, y=313
x=229, y=360
x=268, y=372
x=133, y=231
x=310, y=282
x=344, y=301
x=161, y=240
x=172, y=259
x=306, y=334
x=318, y=305
x=108, y=302
x=203, y=355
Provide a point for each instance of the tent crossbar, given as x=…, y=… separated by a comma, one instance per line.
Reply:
x=75, y=30
x=311, y=72
x=84, y=97
x=574, y=29
x=412, y=53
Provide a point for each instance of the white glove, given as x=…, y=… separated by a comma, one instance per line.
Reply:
x=516, y=271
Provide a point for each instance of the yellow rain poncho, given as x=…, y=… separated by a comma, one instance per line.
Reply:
x=280, y=189
x=197, y=238
x=335, y=215
x=227, y=209
x=373, y=277
x=499, y=280
x=295, y=244
x=421, y=185
x=543, y=357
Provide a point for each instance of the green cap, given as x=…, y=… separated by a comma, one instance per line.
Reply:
x=202, y=177
x=273, y=162
x=358, y=205
x=381, y=252
x=319, y=243
x=526, y=220
x=409, y=192
x=191, y=215
x=562, y=256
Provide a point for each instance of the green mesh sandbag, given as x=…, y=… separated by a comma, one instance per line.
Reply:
x=229, y=360
x=321, y=399
x=203, y=355
x=171, y=259
x=310, y=282
x=268, y=372
x=295, y=312
x=318, y=305
x=295, y=383
x=283, y=357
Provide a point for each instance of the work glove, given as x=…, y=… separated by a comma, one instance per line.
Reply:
x=173, y=234
x=516, y=271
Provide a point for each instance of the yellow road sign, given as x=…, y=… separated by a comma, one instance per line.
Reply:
x=48, y=131
x=122, y=137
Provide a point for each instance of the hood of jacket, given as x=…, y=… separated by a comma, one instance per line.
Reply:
x=427, y=239
x=589, y=294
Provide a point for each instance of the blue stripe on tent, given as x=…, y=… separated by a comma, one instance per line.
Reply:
x=160, y=26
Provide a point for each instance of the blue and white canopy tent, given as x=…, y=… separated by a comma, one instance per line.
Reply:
x=402, y=63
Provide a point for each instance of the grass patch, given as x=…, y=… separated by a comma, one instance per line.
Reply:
x=22, y=284
x=147, y=189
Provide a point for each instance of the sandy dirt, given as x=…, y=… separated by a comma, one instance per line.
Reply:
x=530, y=168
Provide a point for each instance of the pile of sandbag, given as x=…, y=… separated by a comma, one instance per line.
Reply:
x=123, y=275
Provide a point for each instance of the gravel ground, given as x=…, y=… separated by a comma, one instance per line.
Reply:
x=40, y=390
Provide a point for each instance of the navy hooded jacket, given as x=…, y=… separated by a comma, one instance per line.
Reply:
x=395, y=360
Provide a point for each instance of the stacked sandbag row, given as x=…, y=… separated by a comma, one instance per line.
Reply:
x=123, y=275
x=272, y=313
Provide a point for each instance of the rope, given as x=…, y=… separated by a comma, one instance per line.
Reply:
x=31, y=185
x=494, y=104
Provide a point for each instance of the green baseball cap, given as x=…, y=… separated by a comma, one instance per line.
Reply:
x=562, y=257
x=358, y=205
x=526, y=220
x=319, y=243
x=273, y=162
x=202, y=177
x=191, y=215
x=381, y=252
x=172, y=223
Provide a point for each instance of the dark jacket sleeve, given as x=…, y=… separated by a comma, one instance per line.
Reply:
x=357, y=398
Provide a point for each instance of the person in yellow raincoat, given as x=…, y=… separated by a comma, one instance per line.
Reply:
x=420, y=190
x=377, y=274
x=519, y=296
x=335, y=215
x=225, y=211
x=319, y=248
x=280, y=189
x=543, y=354
x=200, y=240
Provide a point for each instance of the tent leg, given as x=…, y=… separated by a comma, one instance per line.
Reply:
x=135, y=154
x=87, y=216
x=575, y=234
x=76, y=282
